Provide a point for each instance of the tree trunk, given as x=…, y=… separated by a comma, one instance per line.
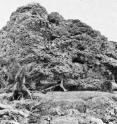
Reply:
x=20, y=90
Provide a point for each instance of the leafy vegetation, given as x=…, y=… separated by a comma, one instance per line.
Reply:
x=54, y=50
x=41, y=52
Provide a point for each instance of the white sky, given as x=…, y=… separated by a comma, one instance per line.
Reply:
x=100, y=14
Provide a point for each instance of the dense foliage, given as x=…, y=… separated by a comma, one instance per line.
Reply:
x=41, y=52
x=56, y=50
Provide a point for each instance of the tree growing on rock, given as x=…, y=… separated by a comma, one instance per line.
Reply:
x=17, y=79
x=20, y=90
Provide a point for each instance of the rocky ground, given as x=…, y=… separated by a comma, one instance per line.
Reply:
x=64, y=69
x=85, y=107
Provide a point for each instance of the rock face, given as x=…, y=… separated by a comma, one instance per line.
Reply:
x=85, y=107
x=58, y=50
x=78, y=108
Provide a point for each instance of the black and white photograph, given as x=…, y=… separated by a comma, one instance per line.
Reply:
x=58, y=61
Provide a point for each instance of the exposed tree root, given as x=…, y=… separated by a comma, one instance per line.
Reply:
x=19, y=94
x=53, y=87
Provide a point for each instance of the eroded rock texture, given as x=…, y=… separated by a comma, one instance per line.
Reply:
x=86, y=107
x=57, y=50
